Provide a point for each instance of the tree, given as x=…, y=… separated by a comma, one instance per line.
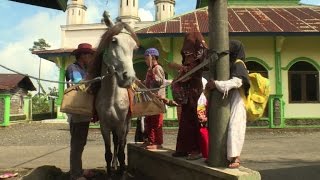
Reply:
x=40, y=103
x=41, y=44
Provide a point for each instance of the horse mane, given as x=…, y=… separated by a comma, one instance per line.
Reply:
x=94, y=69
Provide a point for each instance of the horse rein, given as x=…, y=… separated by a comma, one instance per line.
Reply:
x=215, y=55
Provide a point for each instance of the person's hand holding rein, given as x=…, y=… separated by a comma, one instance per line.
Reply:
x=210, y=85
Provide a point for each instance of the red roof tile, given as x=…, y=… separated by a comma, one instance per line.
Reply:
x=11, y=81
x=202, y=17
x=276, y=20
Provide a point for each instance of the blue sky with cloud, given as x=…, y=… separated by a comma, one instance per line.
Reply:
x=23, y=24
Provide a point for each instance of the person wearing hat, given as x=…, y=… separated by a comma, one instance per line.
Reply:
x=77, y=71
x=155, y=78
x=79, y=124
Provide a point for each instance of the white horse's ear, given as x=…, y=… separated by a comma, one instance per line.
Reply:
x=107, y=20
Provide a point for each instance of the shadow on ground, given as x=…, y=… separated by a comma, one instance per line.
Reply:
x=294, y=173
x=54, y=173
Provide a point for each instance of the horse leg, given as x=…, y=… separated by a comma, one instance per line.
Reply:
x=115, y=150
x=107, y=144
x=122, y=134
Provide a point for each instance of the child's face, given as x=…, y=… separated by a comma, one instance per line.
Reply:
x=148, y=60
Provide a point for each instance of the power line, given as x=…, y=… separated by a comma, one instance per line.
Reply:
x=52, y=81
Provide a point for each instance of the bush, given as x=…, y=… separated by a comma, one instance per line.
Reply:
x=40, y=104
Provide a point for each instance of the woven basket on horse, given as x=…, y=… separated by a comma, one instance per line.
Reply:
x=144, y=103
x=77, y=101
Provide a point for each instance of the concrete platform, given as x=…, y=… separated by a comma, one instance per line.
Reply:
x=160, y=165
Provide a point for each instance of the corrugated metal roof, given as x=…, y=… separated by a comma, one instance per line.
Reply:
x=243, y=20
x=11, y=81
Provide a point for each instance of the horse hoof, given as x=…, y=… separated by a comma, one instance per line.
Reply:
x=123, y=176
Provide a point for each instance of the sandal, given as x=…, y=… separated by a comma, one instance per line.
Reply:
x=8, y=175
x=234, y=164
x=145, y=144
x=194, y=156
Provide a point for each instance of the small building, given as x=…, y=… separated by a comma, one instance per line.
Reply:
x=13, y=95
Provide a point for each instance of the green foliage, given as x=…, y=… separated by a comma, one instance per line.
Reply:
x=41, y=44
x=40, y=103
x=53, y=92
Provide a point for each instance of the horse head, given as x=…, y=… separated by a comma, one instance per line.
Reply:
x=116, y=51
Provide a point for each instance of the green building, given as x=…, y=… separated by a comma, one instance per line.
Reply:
x=281, y=39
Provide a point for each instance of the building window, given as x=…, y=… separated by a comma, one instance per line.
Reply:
x=121, y=4
x=303, y=83
x=127, y=2
x=79, y=12
x=163, y=7
x=134, y=3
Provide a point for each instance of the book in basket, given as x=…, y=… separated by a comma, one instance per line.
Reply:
x=144, y=103
x=76, y=101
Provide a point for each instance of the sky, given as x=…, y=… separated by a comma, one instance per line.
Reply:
x=23, y=24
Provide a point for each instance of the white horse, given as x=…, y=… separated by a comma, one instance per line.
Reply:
x=113, y=61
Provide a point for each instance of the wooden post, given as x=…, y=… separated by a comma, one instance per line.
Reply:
x=219, y=113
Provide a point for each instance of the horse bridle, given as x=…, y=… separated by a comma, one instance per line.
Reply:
x=111, y=70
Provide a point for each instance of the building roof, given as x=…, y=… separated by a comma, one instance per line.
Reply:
x=53, y=4
x=203, y=3
x=12, y=81
x=46, y=54
x=244, y=20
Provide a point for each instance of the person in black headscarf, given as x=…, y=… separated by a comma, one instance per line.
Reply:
x=237, y=84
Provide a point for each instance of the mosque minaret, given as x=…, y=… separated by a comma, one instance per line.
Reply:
x=76, y=12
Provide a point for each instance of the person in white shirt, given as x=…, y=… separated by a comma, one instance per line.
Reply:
x=239, y=80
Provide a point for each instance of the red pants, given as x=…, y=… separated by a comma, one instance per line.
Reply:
x=154, y=129
x=204, y=141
